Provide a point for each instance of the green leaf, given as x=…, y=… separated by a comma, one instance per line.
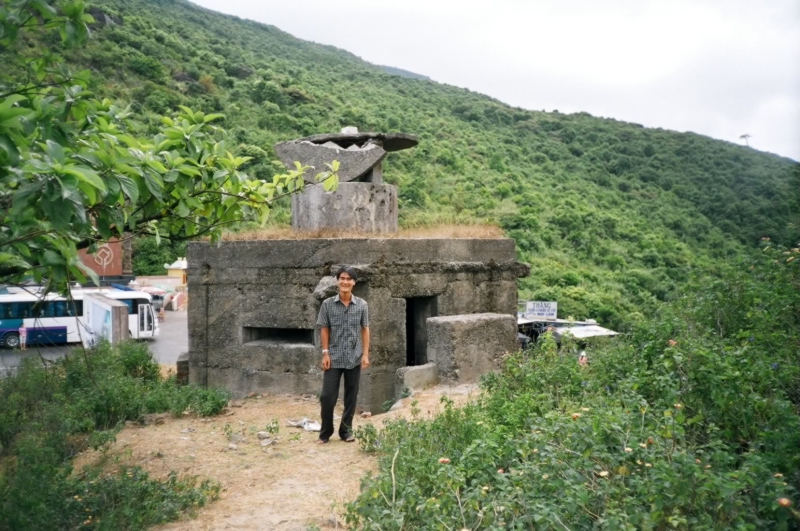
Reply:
x=331, y=183
x=85, y=174
x=69, y=185
x=154, y=184
x=55, y=151
x=182, y=210
x=212, y=117
x=52, y=258
x=89, y=271
x=188, y=170
x=11, y=157
x=9, y=101
x=129, y=187
x=13, y=260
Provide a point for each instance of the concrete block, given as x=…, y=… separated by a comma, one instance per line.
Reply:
x=243, y=381
x=182, y=368
x=325, y=288
x=416, y=285
x=321, y=253
x=465, y=346
x=353, y=164
x=376, y=388
x=416, y=378
x=198, y=374
x=355, y=206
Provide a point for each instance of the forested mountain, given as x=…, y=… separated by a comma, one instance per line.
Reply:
x=403, y=73
x=611, y=215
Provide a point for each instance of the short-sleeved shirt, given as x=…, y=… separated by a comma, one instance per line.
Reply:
x=345, y=323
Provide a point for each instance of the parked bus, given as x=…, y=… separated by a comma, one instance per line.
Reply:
x=53, y=319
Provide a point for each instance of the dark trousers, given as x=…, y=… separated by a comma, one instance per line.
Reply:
x=330, y=393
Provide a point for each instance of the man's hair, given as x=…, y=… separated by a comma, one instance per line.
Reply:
x=349, y=270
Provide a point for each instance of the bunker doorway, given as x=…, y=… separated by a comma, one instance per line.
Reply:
x=418, y=309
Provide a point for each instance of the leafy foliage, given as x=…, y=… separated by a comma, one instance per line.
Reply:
x=73, y=173
x=693, y=422
x=51, y=414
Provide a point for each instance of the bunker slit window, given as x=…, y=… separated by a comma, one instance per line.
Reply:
x=255, y=335
x=418, y=309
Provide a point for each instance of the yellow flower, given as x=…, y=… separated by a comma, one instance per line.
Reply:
x=603, y=473
x=628, y=450
x=545, y=476
x=778, y=475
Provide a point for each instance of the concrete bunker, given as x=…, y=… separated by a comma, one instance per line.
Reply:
x=253, y=304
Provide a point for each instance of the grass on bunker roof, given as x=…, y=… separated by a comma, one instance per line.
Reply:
x=477, y=231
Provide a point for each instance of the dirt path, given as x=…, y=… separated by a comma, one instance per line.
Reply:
x=292, y=485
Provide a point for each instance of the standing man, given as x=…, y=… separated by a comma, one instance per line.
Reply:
x=23, y=336
x=344, y=323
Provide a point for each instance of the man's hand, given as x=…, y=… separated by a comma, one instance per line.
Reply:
x=326, y=361
x=364, y=362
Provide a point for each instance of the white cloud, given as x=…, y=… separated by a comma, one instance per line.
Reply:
x=716, y=67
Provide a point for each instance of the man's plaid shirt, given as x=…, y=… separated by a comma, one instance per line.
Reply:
x=345, y=323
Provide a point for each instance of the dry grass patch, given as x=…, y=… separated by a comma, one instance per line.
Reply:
x=292, y=485
x=483, y=232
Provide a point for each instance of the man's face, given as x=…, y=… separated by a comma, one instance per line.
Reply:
x=346, y=283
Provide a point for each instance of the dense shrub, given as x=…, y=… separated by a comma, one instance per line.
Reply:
x=692, y=422
x=51, y=414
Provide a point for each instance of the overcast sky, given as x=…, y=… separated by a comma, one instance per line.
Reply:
x=721, y=68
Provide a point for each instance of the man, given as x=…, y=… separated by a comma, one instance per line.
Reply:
x=344, y=322
x=23, y=336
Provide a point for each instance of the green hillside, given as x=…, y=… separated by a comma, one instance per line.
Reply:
x=611, y=215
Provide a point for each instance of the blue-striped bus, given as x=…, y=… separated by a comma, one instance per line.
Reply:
x=54, y=320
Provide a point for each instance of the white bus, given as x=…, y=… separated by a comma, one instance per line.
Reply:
x=53, y=319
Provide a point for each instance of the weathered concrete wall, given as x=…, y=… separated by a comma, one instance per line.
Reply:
x=356, y=206
x=465, y=346
x=253, y=308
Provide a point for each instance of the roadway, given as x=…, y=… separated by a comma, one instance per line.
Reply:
x=173, y=338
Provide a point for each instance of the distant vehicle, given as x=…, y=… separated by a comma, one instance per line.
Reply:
x=54, y=320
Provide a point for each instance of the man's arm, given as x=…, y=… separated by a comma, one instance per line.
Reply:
x=324, y=324
x=365, y=347
x=325, y=338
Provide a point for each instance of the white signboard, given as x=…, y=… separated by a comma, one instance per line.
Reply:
x=541, y=309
